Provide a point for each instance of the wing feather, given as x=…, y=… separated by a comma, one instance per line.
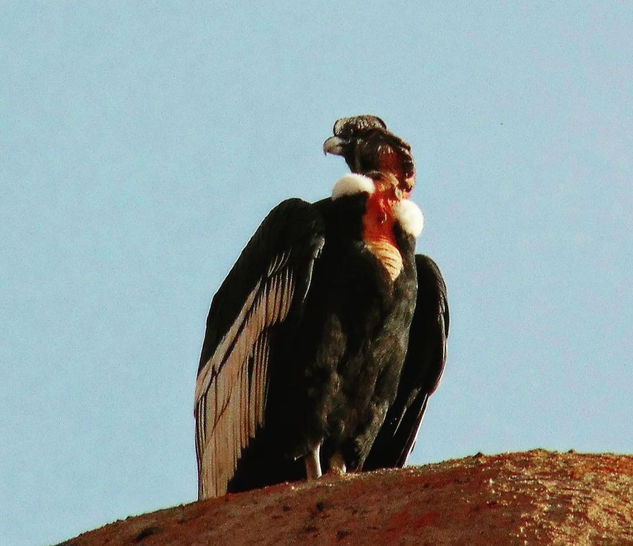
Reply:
x=232, y=383
x=244, y=341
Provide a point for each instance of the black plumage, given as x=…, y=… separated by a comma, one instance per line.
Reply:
x=307, y=336
x=421, y=372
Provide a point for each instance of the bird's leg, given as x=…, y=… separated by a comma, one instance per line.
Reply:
x=337, y=464
x=313, y=463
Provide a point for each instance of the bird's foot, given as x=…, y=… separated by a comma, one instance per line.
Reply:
x=337, y=464
x=313, y=463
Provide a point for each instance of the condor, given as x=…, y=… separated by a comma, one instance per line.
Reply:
x=328, y=335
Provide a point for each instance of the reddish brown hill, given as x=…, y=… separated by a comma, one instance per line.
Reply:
x=538, y=497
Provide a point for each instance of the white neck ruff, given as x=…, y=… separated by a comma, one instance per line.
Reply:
x=351, y=184
x=406, y=212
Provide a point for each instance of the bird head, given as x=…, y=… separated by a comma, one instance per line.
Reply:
x=369, y=148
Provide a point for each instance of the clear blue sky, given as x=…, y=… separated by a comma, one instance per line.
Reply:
x=141, y=143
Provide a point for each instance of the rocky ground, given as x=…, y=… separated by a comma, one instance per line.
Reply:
x=537, y=497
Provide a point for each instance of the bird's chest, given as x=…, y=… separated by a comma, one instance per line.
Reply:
x=361, y=306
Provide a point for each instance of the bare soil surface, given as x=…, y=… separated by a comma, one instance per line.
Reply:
x=536, y=497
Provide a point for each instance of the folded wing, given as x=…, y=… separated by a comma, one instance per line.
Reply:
x=265, y=289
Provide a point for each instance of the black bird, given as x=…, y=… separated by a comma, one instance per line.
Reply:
x=302, y=362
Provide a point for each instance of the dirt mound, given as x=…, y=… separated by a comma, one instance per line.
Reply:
x=537, y=497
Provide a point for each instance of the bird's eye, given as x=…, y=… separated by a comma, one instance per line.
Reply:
x=408, y=167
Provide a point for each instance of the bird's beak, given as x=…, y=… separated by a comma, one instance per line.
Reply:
x=333, y=145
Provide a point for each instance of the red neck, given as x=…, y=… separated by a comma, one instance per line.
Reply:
x=378, y=221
